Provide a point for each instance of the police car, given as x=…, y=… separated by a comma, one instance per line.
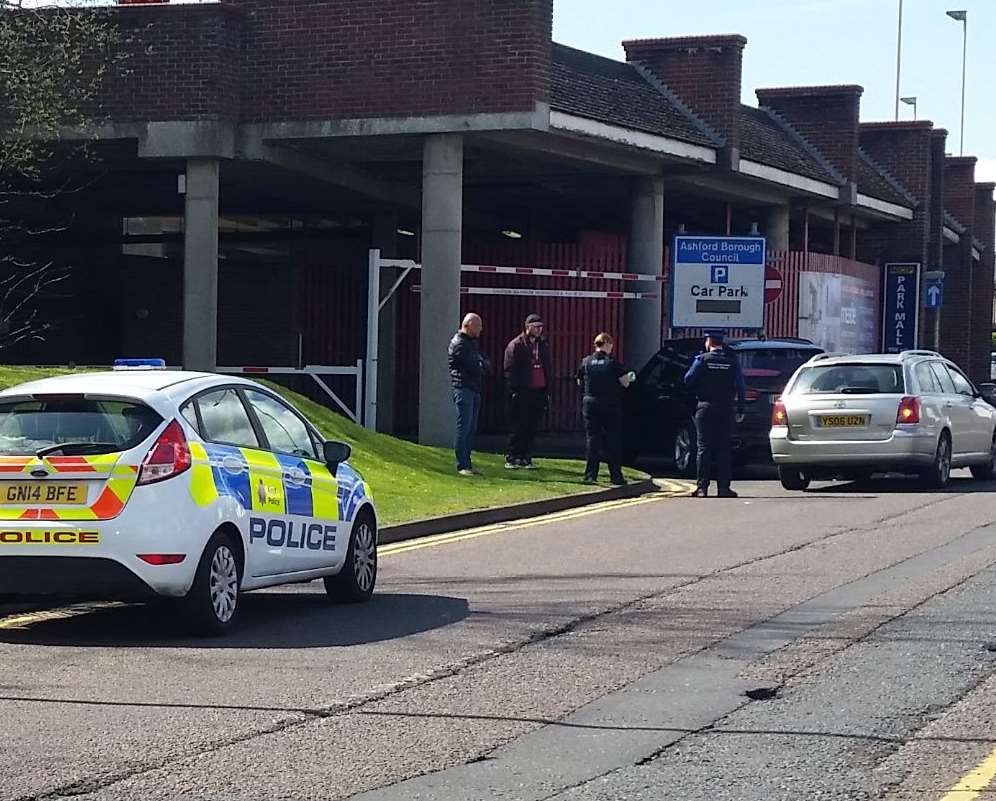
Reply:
x=144, y=482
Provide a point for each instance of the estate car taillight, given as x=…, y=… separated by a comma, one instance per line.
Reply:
x=909, y=411
x=779, y=417
x=169, y=457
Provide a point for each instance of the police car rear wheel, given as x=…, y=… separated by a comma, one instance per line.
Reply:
x=355, y=582
x=213, y=600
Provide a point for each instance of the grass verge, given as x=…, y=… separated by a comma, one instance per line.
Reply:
x=409, y=481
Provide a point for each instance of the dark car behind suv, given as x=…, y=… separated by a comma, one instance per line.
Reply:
x=659, y=419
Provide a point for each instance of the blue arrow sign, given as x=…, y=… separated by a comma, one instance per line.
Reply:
x=934, y=289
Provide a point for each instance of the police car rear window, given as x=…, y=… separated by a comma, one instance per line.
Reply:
x=73, y=425
x=851, y=379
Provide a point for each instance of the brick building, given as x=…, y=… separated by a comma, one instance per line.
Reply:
x=255, y=150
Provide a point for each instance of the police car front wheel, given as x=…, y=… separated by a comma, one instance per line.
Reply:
x=213, y=600
x=355, y=582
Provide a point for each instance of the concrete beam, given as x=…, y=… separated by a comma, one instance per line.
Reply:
x=537, y=119
x=576, y=151
x=665, y=146
x=356, y=180
x=442, y=242
x=200, y=266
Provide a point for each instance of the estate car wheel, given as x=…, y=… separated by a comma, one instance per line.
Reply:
x=793, y=480
x=213, y=601
x=686, y=450
x=355, y=582
x=939, y=473
x=987, y=471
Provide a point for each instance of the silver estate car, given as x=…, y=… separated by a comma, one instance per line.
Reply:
x=852, y=416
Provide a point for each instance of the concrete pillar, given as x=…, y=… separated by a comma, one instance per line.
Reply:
x=442, y=239
x=645, y=254
x=200, y=266
x=776, y=228
x=384, y=237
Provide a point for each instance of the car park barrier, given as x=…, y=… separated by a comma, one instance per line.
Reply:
x=317, y=373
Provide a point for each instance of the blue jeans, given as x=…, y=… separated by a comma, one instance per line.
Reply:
x=468, y=407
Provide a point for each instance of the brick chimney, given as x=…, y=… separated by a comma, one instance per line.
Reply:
x=904, y=149
x=938, y=146
x=982, y=305
x=959, y=188
x=705, y=72
x=826, y=116
x=958, y=336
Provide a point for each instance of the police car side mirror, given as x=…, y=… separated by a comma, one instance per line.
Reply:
x=336, y=453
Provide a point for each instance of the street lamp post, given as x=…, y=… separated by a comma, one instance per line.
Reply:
x=962, y=17
x=899, y=55
x=910, y=101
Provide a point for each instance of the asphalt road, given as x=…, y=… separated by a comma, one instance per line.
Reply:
x=827, y=645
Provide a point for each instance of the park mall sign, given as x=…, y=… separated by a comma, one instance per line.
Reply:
x=719, y=282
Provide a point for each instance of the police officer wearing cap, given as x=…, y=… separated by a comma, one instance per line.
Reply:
x=603, y=380
x=718, y=383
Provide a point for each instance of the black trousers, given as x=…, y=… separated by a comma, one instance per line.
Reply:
x=602, y=428
x=714, y=427
x=526, y=410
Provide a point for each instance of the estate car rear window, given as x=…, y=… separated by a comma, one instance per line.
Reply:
x=73, y=426
x=851, y=379
x=771, y=368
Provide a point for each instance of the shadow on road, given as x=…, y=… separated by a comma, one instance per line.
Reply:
x=268, y=620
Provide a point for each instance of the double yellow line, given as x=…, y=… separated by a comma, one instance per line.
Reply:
x=975, y=783
x=672, y=490
x=666, y=489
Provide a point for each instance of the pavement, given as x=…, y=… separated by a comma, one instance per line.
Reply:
x=833, y=644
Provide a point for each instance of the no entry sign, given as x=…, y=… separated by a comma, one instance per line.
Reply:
x=773, y=284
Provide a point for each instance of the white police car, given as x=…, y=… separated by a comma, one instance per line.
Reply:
x=144, y=482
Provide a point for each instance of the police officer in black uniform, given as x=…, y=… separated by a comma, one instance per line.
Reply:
x=603, y=380
x=718, y=383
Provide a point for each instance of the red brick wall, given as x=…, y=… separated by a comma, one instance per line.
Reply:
x=181, y=63
x=332, y=59
x=827, y=116
x=982, y=302
x=704, y=71
x=905, y=150
x=958, y=339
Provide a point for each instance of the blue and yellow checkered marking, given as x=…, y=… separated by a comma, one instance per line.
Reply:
x=268, y=483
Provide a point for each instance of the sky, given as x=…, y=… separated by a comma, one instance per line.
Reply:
x=815, y=42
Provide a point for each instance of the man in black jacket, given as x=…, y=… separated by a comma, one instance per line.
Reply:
x=528, y=375
x=467, y=368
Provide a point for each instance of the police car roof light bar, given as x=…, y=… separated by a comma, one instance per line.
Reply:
x=139, y=364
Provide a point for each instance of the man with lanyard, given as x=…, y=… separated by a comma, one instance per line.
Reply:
x=717, y=381
x=528, y=373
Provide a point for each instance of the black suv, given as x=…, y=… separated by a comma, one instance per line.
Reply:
x=659, y=419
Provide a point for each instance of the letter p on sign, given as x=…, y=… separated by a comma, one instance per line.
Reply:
x=720, y=275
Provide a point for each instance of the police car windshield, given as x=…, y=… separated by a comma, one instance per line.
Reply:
x=82, y=426
x=770, y=368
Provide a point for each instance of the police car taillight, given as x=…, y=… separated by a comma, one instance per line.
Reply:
x=169, y=457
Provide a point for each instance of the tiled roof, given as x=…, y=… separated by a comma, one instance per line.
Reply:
x=765, y=139
x=874, y=181
x=617, y=93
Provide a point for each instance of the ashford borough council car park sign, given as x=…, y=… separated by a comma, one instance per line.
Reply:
x=719, y=282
